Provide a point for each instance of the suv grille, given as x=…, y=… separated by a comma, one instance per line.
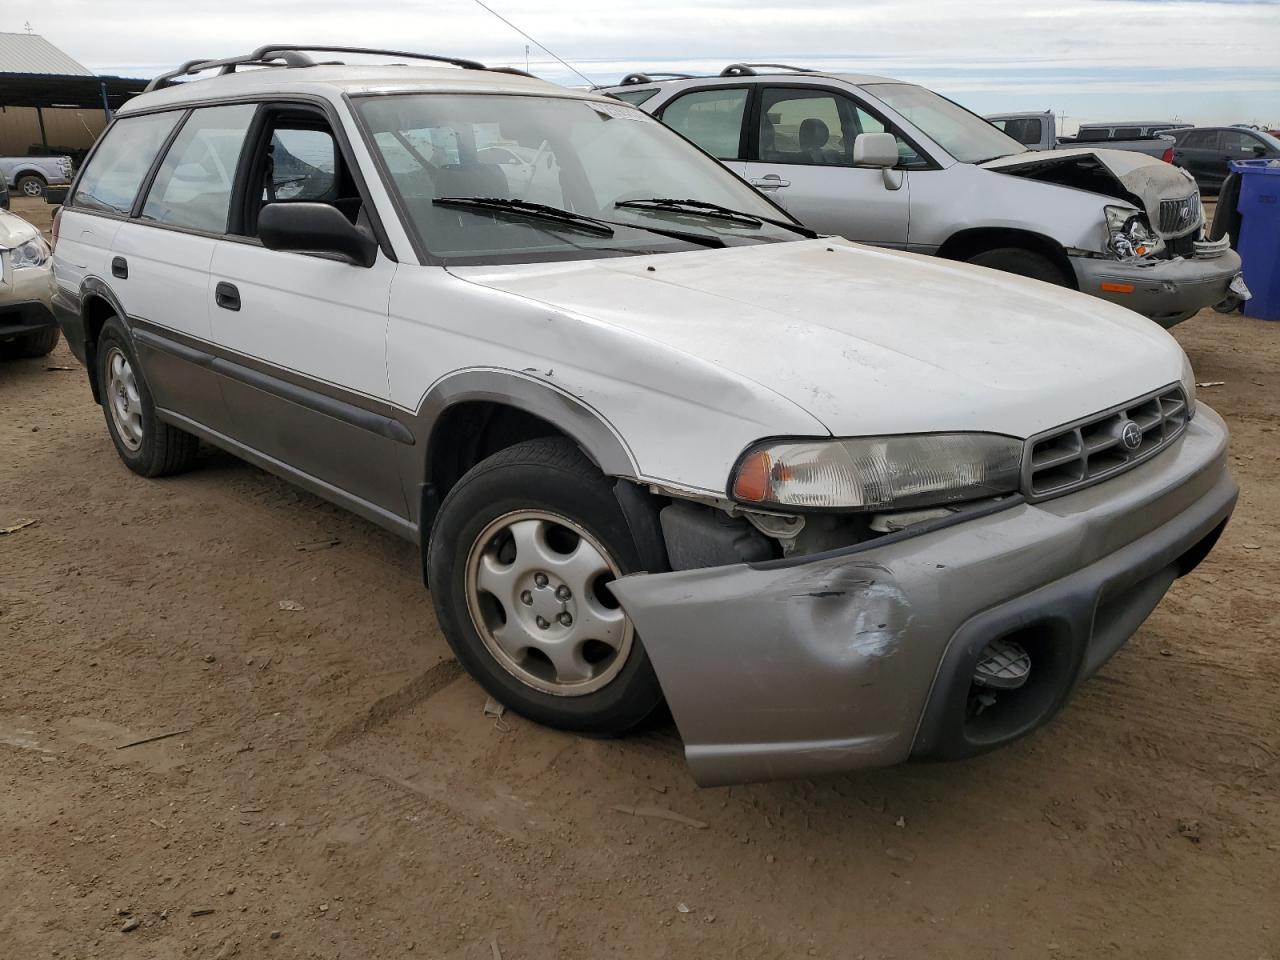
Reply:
x=1179, y=216
x=1083, y=453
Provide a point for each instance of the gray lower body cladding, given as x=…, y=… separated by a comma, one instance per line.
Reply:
x=1167, y=291
x=864, y=658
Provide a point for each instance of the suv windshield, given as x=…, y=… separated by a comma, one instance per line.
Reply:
x=581, y=157
x=964, y=135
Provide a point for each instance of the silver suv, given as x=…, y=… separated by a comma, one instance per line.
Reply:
x=894, y=164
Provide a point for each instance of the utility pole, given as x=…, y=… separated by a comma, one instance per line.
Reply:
x=526, y=58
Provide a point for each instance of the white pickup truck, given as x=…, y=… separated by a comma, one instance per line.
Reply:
x=31, y=176
x=1037, y=131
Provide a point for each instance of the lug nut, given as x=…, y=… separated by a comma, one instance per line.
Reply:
x=526, y=598
x=540, y=579
x=562, y=592
x=542, y=623
x=565, y=620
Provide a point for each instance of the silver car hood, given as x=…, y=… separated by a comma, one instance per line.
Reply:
x=1138, y=179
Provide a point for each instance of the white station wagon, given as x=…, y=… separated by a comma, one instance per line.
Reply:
x=839, y=506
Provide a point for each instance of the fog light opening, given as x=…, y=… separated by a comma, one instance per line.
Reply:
x=1002, y=665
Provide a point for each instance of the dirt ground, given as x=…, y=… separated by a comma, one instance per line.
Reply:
x=337, y=792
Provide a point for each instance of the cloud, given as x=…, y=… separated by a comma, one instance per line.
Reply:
x=1216, y=54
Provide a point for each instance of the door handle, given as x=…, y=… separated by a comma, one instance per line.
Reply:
x=120, y=268
x=770, y=182
x=226, y=296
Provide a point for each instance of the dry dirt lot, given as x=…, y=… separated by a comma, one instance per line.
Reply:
x=338, y=792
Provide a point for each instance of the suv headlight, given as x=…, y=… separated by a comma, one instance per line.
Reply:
x=1127, y=232
x=878, y=473
x=1189, y=386
x=33, y=253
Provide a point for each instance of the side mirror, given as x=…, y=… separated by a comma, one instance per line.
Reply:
x=55, y=195
x=315, y=228
x=1259, y=151
x=875, y=150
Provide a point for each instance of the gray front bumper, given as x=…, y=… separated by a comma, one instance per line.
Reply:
x=1167, y=291
x=862, y=657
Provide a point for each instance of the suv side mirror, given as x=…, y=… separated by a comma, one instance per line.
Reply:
x=1259, y=151
x=55, y=195
x=316, y=228
x=875, y=150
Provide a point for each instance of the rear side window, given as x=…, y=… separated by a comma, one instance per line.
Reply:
x=1199, y=140
x=710, y=118
x=193, y=186
x=111, y=180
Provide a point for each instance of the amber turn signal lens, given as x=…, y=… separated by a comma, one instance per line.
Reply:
x=752, y=481
x=1118, y=287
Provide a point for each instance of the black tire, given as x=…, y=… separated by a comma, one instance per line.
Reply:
x=549, y=474
x=39, y=343
x=163, y=449
x=1022, y=262
x=30, y=185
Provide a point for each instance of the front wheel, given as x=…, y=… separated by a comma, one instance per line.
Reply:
x=1022, y=262
x=520, y=562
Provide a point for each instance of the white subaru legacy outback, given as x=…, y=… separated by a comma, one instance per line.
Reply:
x=838, y=506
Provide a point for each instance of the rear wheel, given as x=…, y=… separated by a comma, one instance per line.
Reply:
x=147, y=446
x=1022, y=262
x=38, y=343
x=30, y=185
x=520, y=562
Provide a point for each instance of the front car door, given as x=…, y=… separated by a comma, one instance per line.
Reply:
x=1239, y=145
x=303, y=337
x=802, y=140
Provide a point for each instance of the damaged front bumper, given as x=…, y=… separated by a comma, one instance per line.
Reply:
x=1167, y=291
x=864, y=657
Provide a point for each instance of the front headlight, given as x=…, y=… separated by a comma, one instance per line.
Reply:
x=1189, y=386
x=1127, y=232
x=878, y=473
x=33, y=253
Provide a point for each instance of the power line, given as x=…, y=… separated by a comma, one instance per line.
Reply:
x=532, y=40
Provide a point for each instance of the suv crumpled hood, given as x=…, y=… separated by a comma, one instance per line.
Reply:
x=1132, y=177
x=14, y=230
x=867, y=340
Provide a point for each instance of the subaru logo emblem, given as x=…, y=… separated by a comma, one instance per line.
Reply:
x=1131, y=435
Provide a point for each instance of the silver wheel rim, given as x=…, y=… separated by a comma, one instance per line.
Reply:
x=123, y=400
x=536, y=591
x=31, y=188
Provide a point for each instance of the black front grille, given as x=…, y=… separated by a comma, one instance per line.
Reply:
x=1083, y=453
x=1180, y=216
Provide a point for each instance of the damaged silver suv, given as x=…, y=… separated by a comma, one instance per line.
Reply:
x=896, y=165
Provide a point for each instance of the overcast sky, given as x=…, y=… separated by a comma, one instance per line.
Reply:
x=1205, y=61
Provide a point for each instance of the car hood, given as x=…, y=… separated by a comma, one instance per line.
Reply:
x=1133, y=177
x=868, y=340
x=14, y=230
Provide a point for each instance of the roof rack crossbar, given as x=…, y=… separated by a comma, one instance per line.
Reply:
x=295, y=55
x=633, y=78
x=751, y=69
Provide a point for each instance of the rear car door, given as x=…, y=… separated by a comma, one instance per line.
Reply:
x=303, y=336
x=802, y=140
x=1197, y=152
x=714, y=118
x=160, y=262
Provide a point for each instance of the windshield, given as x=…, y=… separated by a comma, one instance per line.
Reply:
x=578, y=156
x=964, y=135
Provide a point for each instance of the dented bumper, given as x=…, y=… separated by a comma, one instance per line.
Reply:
x=1167, y=291
x=863, y=657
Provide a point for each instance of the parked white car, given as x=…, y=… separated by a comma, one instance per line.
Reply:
x=894, y=164
x=32, y=176
x=27, y=326
x=839, y=506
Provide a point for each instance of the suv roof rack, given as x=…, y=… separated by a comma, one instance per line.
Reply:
x=752, y=69
x=633, y=78
x=295, y=55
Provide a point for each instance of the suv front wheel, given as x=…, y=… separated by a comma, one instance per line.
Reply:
x=520, y=561
x=147, y=446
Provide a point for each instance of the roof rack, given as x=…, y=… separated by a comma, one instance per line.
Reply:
x=752, y=69
x=633, y=78
x=295, y=55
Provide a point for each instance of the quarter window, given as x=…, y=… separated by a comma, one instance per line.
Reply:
x=710, y=118
x=304, y=164
x=119, y=165
x=635, y=97
x=193, y=186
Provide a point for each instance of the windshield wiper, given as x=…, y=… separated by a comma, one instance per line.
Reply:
x=536, y=211
x=707, y=209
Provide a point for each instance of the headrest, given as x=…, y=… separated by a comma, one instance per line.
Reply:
x=814, y=134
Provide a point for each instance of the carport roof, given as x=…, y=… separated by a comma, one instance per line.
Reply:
x=32, y=53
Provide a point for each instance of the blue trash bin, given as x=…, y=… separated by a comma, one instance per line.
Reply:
x=1259, y=241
